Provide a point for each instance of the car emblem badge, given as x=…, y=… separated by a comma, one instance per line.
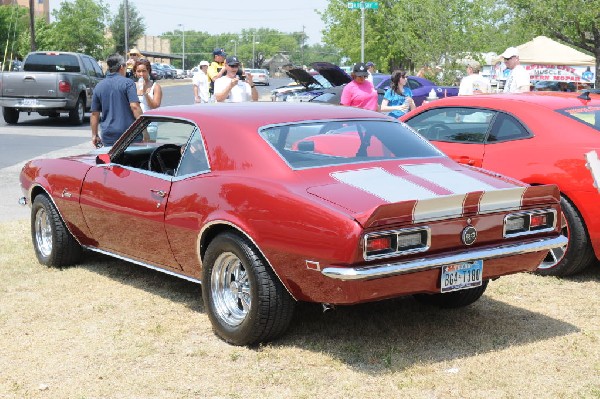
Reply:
x=469, y=235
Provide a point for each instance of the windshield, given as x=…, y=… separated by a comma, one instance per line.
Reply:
x=324, y=143
x=322, y=81
x=589, y=115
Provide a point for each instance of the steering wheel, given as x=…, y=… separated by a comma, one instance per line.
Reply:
x=436, y=130
x=156, y=163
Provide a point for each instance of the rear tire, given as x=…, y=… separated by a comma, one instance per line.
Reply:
x=245, y=301
x=77, y=114
x=577, y=255
x=53, y=243
x=11, y=115
x=454, y=299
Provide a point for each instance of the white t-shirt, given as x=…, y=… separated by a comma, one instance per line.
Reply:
x=200, y=79
x=240, y=93
x=474, y=83
x=518, y=77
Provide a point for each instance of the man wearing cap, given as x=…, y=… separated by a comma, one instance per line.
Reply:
x=518, y=80
x=473, y=83
x=115, y=103
x=234, y=88
x=216, y=68
x=200, y=84
x=360, y=92
x=371, y=70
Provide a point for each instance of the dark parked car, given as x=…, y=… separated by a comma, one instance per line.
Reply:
x=158, y=72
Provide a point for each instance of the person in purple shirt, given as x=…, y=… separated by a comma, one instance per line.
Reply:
x=115, y=103
x=360, y=92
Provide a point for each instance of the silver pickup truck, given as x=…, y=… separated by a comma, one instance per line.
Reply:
x=50, y=82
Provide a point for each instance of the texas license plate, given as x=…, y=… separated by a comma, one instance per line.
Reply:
x=460, y=276
x=29, y=102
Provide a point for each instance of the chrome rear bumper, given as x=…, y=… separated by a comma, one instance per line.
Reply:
x=421, y=264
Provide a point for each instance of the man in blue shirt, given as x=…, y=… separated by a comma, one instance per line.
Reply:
x=115, y=97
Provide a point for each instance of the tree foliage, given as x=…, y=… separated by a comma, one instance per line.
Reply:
x=411, y=35
x=136, y=27
x=79, y=26
x=15, y=29
x=574, y=22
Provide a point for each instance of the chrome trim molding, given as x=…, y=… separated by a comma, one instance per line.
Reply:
x=416, y=265
x=147, y=265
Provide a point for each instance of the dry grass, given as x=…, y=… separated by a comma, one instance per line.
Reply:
x=109, y=329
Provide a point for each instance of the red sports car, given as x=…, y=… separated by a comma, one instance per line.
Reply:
x=538, y=138
x=234, y=196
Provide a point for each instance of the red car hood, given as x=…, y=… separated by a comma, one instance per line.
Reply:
x=400, y=193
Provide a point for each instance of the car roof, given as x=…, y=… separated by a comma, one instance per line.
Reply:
x=254, y=115
x=548, y=99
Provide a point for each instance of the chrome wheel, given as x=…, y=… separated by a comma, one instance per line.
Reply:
x=43, y=232
x=555, y=255
x=230, y=289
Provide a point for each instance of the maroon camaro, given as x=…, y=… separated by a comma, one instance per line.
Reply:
x=269, y=204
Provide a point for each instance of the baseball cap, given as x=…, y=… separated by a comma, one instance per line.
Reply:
x=219, y=51
x=204, y=63
x=510, y=52
x=232, y=60
x=370, y=64
x=360, y=69
x=474, y=65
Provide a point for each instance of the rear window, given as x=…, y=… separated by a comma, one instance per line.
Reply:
x=51, y=62
x=323, y=143
x=588, y=115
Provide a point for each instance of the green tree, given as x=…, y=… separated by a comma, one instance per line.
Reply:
x=15, y=29
x=574, y=22
x=428, y=33
x=79, y=26
x=136, y=27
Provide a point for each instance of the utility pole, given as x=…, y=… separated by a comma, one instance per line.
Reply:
x=302, y=45
x=126, y=26
x=32, y=23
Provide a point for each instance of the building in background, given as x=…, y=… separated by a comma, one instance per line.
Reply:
x=41, y=7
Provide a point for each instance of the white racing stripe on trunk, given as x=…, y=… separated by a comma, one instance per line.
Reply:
x=451, y=180
x=441, y=207
x=384, y=185
x=510, y=198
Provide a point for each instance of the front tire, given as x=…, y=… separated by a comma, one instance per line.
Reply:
x=77, y=114
x=454, y=299
x=11, y=115
x=245, y=301
x=577, y=254
x=53, y=243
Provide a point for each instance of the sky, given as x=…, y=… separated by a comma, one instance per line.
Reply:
x=227, y=17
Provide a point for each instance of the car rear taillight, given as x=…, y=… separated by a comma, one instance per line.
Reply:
x=396, y=242
x=529, y=222
x=64, y=87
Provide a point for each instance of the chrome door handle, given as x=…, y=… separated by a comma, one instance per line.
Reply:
x=160, y=193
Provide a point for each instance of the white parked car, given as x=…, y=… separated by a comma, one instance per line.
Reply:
x=259, y=76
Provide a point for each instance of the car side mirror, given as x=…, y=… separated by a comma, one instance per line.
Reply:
x=102, y=159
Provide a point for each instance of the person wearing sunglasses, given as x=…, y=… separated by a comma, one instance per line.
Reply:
x=360, y=92
x=518, y=80
x=234, y=87
x=397, y=100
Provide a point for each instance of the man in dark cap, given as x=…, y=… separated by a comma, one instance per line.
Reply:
x=216, y=68
x=235, y=88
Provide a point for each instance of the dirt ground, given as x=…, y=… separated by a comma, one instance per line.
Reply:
x=110, y=329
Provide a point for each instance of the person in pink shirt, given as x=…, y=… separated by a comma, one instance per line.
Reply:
x=360, y=92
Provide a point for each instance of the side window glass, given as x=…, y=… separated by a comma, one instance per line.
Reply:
x=465, y=125
x=506, y=128
x=413, y=84
x=155, y=145
x=89, y=67
x=194, y=159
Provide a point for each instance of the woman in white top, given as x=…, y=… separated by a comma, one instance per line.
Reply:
x=149, y=92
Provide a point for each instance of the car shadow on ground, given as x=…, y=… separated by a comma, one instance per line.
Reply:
x=387, y=335
x=41, y=121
